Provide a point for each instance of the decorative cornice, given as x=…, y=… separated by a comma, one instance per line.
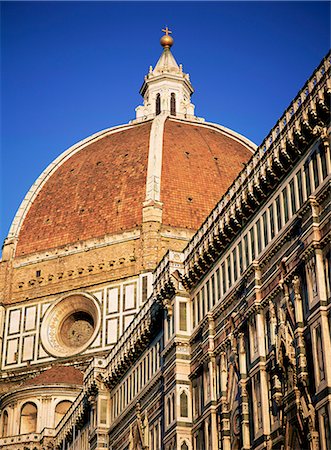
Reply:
x=76, y=272
x=73, y=418
x=303, y=122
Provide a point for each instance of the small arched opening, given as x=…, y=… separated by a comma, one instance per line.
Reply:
x=169, y=410
x=173, y=104
x=158, y=104
x=28, y=421
x=60, y=410
x=183, y=404
x=4, y=431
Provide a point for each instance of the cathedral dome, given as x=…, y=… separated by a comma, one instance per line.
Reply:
x=166, y=164
x=99, y=186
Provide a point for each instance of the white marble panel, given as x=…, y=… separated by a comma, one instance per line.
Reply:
x=112, y=331
x=42, y=353
x=12, y=351
x=113, y=300
x=30, y=318
x=28, y=348
x=97, y=341
x=44, y=308
x=14, y=321
x=127, y=320
x=129, y=298
x=98, y=295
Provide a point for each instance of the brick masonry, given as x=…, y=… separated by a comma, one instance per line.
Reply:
x=199, y=164
x=97, y=191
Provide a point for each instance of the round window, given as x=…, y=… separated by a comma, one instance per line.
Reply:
x=70, y=325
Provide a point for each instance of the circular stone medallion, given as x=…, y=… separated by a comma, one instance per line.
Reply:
x=70, y=325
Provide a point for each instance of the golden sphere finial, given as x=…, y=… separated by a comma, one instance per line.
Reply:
x=166, y=41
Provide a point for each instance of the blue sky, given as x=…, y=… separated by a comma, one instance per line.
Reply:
x=70, y=69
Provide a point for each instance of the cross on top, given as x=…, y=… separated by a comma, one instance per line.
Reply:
x=167, y=31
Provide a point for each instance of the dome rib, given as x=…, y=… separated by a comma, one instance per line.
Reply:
x=200, y=161
x=108, y=177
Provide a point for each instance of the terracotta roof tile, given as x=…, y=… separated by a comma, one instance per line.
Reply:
x=100, y=189
x=199, y=164
x=57, y=375
x=91, y=193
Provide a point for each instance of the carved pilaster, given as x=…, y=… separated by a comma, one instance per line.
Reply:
x=150, y=234
x=243, y=393
x=302, y=360
x=296, y=283
x=273, y=322
x=8, y=249
x=224, y=415
x=320, y=275
x=313, y=439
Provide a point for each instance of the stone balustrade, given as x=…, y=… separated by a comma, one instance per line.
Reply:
x=133, y=341
x=73, y=418
x=36, y=439
x=163, y=281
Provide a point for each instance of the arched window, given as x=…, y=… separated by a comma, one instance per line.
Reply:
x=184, y=446
x=4, y=431
x=169, y=410
x=60, y=410
x=28, y=422
x=158, y=104
x=173, y=104
x=173, y=407
x=183, y=404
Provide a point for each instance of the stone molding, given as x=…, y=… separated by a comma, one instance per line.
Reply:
x=274, y=156
x=154, y=168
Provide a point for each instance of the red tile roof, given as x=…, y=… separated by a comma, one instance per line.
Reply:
x=57, y=375
x=91, y=193
x=100, y=189
x=199, y=164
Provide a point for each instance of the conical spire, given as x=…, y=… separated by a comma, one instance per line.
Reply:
x=166, y=63
x=166, y=88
